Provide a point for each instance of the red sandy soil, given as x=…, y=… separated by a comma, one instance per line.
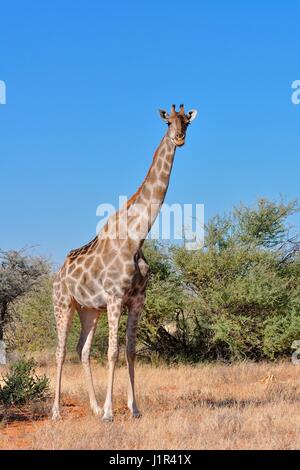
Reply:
x=16, y=431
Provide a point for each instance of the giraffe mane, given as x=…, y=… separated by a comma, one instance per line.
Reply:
x=136, y=194
x=83, y=249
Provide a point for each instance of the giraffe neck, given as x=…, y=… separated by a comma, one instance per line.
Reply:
x=145, y=204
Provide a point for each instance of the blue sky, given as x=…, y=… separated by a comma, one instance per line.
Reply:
x=84, y=82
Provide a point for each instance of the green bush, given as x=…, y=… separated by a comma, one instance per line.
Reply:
x=22, y=385
x=245, y=285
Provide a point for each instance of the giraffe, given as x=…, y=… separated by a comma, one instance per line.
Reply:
x=110, y=273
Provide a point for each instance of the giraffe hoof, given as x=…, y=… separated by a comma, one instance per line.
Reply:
x=97, y=411
x=107, y=419
x=56, y=416
x=136, y=414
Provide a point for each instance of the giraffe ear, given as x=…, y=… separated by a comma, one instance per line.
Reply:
x=192, y=114
x=164, y=115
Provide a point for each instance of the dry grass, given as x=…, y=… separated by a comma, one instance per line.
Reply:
x=243, y=406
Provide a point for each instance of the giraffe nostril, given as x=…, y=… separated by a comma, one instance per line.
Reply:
x=179, y=135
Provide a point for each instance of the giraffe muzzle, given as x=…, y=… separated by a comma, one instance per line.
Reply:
x=179, y=139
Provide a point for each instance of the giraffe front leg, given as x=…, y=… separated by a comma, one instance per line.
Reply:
x=132, y=323
x=114, y=309
x=64, y=317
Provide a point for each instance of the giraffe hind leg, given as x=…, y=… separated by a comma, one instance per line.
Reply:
x=88, y=326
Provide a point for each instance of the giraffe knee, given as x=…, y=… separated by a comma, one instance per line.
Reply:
x=131, y=341
x=79, y=347
x=60, y=354
x=113, y=353
x=130, y=349
x=131, y=355
x=85, y=356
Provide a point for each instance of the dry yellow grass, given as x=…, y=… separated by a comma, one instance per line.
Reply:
x=242, y=406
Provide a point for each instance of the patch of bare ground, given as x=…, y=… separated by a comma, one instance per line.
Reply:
x=215, y=406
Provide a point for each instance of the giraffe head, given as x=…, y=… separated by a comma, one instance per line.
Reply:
x=178, y=123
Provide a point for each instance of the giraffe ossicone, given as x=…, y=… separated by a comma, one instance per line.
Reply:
x=110, y=273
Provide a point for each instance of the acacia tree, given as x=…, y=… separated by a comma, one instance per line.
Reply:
x=19, y=274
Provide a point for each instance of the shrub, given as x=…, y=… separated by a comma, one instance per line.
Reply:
x=22, y=385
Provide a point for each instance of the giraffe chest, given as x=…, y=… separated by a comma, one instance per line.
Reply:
x=90, y=293
x=91, y=284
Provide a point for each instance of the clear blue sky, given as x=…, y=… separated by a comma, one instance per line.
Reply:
x=84, y=82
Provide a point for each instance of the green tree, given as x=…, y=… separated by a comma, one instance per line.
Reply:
x=245, y=283
x=34, y=324
x=19, y=274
